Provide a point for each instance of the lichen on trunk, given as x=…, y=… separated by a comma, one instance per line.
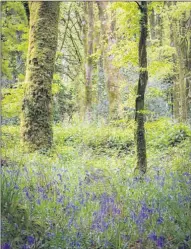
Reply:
x=36, y=117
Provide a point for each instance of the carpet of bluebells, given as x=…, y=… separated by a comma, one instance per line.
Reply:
x=85, y=193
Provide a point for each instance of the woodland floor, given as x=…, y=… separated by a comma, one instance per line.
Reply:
x=84, y=193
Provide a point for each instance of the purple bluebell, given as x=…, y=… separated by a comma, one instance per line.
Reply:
x=44, y=196
x=38, y=201
x=40, y=189
x=6, y=246
x=183, y=246
x=100, y=225
x=160, y=241
x=60, y=199
x=160, y=220
x=60, y=177
x=25, y=247
x=152, y=236
x=50, y=235
x=143, y=215
x=26, y=192
x=30, y=240
x=186, y=174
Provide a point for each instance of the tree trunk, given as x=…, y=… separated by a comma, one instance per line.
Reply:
x=88, y=60
x=143, y=78
x=103, y=103
x=36, y=119
x=111, y=72
x=180, y=40
x=152, y=25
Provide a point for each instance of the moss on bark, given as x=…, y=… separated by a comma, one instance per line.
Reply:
x=143, y=78
x=36, y=118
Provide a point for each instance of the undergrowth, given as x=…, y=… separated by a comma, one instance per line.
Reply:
x=84, y=192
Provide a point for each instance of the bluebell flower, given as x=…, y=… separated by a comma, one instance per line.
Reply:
x=26, y=247
x=78, y=245
x=50, y=235
x=26, y=192
x=30, y=240
x=152, y=236
x=6, y=246
x=16, y=186
x=160, y=241
x=60, y=199
x=186, y=174
x=45, y=197
x=40, y=189
x=60, y=177
x=78, y=234
x=160, y=220
x=38, y=201
x=100, y=225
x=143, y=214
x=183, y=246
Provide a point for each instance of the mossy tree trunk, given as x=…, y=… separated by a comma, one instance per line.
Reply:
x=36, y=118
x=181, y=41
x=143, y=78
x=89, y=36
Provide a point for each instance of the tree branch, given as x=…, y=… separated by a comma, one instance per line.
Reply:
x=140, y=7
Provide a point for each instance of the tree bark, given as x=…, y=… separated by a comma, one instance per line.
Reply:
x=152, y=25
x=103, y=103
x=88, y=63
x=111, y=72
x=143, y=78
x=180, y=39
x=36, y=119
x=26, y=6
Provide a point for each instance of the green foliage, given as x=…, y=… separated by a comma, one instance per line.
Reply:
x=12, y=100
x=100, y=140
x=14, y=38
x=178, y=9
x=163, y=133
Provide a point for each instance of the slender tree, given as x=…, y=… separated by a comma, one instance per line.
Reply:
x=143, y=78
x=102, y=98
x=36, y=119
x=88, y=43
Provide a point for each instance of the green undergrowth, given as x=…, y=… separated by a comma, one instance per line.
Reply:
x=100, y=145
x=83, y=193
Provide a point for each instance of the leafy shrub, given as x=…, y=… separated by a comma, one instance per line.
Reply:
x=163, y=133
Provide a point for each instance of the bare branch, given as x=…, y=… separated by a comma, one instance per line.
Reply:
x=140, y=7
